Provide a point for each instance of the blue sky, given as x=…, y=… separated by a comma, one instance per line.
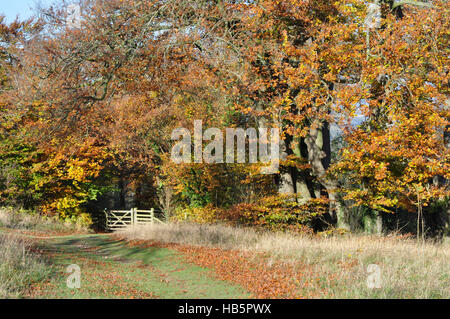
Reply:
x=23, y=8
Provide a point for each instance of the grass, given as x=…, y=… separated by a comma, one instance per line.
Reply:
x=408, y=269
x=27, y=221
x=191, y=261
x=35, y=253
x=113, y=269
x=20, y=267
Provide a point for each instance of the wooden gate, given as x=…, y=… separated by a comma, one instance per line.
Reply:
x=119, y=219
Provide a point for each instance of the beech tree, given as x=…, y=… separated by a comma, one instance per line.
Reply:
x=101, y=97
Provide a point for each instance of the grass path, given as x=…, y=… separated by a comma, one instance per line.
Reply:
x=112, y=269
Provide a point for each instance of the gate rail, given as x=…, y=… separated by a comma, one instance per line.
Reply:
x=120, y=219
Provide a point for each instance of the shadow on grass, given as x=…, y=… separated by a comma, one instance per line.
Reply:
x=111, y=263
x=105, y=246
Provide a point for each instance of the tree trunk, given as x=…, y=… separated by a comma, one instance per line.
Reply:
x=445, y=217
x=165, y=198
x=128, y=194
x=373, y=223
x=304, y=187
x=287, y=182
x=317, y=157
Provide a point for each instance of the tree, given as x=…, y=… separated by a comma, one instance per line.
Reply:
x=110, y=90
x=398, y=148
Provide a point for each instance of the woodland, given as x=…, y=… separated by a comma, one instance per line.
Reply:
x=359, y=91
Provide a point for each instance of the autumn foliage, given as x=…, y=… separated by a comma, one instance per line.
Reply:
x=83, y=106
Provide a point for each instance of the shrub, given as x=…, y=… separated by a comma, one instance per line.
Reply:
x=279, y=212
x=30, y=220
x=201, y=215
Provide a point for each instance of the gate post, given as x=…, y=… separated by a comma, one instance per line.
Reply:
x=152, y=214
x=106, y=219
x=134, y=216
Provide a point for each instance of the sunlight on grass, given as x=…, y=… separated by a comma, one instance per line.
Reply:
x=408, y=269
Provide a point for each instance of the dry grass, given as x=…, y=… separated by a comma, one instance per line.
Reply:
x=408, y=269
x=24, y=220
x=19, y=266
